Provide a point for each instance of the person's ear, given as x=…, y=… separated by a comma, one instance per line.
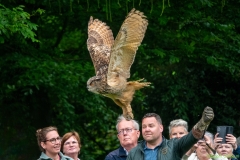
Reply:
x=138, y=133
x=118, y=137
x=43, y=145
x=161, y=127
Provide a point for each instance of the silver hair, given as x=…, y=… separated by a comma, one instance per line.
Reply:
x=176, y=123
x=210, y=135
x=122, y=118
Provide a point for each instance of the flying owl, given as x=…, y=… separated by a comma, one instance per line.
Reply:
x=112, y=59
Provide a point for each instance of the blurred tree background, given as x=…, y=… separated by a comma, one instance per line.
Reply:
x=190, y=53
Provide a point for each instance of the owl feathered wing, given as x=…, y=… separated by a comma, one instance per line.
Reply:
x=99, y=43
x=125, y=46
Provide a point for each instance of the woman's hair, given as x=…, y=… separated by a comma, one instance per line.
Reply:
x=41, y=135
x=217, y=147
x=177, y=123
x=68, y=135
x=122, y=118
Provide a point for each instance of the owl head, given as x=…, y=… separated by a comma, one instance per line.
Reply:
x=94, y=84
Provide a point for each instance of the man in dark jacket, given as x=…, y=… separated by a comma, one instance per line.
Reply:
x=128, y=134
x=156, y=147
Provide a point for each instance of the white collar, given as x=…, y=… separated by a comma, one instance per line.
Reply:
x=125, y=151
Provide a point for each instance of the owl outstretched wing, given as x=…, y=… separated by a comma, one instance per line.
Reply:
x=99, y=43
x=125, y=46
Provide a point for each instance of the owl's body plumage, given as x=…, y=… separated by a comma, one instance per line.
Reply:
x=112, y=59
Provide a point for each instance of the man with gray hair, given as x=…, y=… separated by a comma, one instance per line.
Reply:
x=128, y=134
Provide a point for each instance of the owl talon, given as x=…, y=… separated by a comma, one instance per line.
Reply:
x=129, y=116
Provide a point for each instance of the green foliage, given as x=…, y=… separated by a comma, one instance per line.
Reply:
x=16, y=21
x=190, y=54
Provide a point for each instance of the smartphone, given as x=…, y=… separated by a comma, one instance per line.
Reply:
x=223, y=131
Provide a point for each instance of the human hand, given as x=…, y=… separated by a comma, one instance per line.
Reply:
x=192, y=150
x=231, y=139
x=194, y=147
x=207, y=140
x=217, y=140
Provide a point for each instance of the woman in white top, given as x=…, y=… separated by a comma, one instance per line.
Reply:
x=203, y=152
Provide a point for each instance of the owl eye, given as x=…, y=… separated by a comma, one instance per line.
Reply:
x=91, y=84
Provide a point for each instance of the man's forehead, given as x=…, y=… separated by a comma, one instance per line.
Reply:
x=150, y=122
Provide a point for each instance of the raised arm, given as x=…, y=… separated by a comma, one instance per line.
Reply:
x=187, y=141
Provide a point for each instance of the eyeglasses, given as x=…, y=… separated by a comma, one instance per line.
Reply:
x=54, y=140
x=68, y=143
x=128, y=130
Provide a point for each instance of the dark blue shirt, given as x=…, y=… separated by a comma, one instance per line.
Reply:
x=118, y=154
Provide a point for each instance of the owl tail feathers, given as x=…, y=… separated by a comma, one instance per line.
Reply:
x=139, y=84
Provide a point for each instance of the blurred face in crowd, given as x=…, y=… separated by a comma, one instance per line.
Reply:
x=178, y=132
x=225, y=150
x=71, y=146
x=201, y=147
x=151, y=129
x=52, y=143
x=127, y=134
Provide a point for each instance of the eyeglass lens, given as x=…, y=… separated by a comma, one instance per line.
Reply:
x=128, y=130
x=54, y=140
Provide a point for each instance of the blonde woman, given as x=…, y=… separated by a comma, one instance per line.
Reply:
x=49, y=143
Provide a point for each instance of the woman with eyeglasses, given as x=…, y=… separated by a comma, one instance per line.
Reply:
x=49, y=143
x=71, y=145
